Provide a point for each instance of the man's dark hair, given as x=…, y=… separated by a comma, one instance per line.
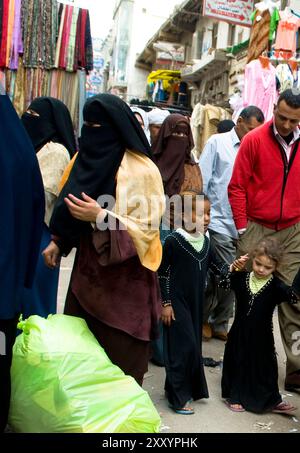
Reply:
x=252, y=112
x=225, y=126
x=291, y=97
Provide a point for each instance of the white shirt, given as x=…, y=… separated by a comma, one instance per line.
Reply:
x=287, y=147
x=216, y=163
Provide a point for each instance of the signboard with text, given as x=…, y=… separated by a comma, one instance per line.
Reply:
x=170, y=51
x=234, y=11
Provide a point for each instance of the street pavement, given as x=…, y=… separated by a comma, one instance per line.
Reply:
x=211, y=415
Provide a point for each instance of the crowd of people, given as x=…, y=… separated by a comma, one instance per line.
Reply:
x=168, y=249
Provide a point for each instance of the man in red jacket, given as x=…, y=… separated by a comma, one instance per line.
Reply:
x=264, y=193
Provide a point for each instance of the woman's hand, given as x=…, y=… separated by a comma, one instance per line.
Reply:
x=239, y=264
x=86, y=209
x=51, y=255
x=167, y=315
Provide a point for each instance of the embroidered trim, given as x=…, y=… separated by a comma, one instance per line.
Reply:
x=198, y=256
x=253, y=296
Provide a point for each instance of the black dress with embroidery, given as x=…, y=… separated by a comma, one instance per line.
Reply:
x=182, y=276
x=250, y=373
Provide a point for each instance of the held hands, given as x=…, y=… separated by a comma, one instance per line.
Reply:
x=239, y=264
x=86, y=209
x=167, y=315
x=51, y=255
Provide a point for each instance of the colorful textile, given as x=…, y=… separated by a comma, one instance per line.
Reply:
x=264, y=96
x=286, y=32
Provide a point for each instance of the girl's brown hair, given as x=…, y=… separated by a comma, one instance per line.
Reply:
x=269, y=247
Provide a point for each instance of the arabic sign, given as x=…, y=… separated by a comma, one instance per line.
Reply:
x=234, y=11
x=170, y=51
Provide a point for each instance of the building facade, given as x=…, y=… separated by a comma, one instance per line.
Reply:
x=134, y=22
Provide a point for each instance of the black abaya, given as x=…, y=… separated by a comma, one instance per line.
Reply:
x=250, y=372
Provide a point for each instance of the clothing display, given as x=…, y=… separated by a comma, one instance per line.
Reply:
x=45, y=50
x=287, y=30
x=204, y=122
x=262, y=32
x=287, y=78
x=264, y=96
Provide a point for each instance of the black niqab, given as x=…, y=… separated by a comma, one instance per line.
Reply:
x=53, y=124
x=101, y=152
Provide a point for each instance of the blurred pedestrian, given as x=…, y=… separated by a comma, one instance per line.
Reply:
x=49, y=126
x=225, y=126
x=21, y=224
x=156, y=117
x=142, y=118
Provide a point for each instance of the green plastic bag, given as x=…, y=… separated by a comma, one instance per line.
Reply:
x=63, y=381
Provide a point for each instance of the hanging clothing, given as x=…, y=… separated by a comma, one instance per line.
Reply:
x=264, y=96
x=286, y=38
x=40, y=30
x=262, y=32
x=17, y=44
x=204, y=122
x=250, y=372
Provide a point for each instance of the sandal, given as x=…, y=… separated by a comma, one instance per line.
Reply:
x=284, y=408
x=186, y=410
x=235, y=407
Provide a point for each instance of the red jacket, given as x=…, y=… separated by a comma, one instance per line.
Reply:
x=264, y=187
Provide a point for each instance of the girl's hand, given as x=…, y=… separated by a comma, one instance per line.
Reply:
x=86, y=209
x=51, y=255
x=167, y=315
x=239, y=264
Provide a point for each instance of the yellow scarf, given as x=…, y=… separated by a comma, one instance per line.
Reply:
x=138, y=176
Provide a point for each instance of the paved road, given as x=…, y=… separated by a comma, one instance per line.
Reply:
x=211, y=416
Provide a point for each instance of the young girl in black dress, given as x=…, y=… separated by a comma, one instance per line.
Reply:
x=250, y=374
x=182, y=275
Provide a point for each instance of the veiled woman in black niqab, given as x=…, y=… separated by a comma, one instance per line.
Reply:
x=48, y=120
x=101, y=152
x=49, y=126
x=114, y=285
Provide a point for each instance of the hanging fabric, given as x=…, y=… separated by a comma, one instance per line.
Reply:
x=264, y=96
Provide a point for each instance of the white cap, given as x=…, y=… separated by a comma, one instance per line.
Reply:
x=157, y=116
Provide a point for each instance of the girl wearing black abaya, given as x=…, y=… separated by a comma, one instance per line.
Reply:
x=113, y=285
x=172, y=154
x=49, y=126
